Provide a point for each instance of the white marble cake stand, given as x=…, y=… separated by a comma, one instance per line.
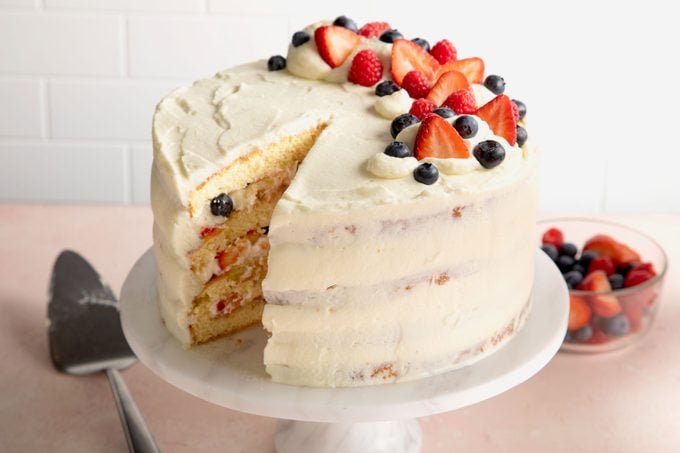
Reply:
x=230, y=372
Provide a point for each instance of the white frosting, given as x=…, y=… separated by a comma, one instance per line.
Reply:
x=393, y=105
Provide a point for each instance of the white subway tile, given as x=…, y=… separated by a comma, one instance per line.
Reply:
x=198, y=47
x=39, y=43
x=128, y=5
x=18, y=3
x=141, y=159
x=20, y=111
x=61, y=173
x=116, y=109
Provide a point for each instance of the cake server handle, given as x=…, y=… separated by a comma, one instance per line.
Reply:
x=137, y=434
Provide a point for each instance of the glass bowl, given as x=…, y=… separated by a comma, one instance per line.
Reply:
x=613, y=318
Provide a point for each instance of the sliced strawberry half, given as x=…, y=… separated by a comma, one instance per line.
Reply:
x=335, y=43
x=472, y=68
x=498, y=115
x=408, y=56
x=447, y=83
x=437, y=138
x=579, y=312
x=607, y=246
x=605, y=305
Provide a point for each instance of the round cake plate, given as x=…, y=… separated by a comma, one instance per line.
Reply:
x=230, y=372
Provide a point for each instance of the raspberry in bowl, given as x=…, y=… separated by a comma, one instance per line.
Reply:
x=614, y=275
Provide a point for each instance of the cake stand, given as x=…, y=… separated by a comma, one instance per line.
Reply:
x=230, y=372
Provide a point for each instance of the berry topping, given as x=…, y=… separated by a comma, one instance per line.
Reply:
x=605, y=305
x=444, y=51
x=374, y=29
x=437, y=138
x=579, y=312
x=472, y=68
x=335, y=43
x=221, y=205
x=553, y=236
x=615, y=326
x=444, y=112
x=515, y=111
x=498, y=115
x=573, y=278
x=390, y=36
x=276, y=63
x=398, y=149
x=616, y=281
x=495, y=83
x=637, y=276
x=299, y=38
x=586, y=257
x=583, y=334
x=521, y=108
x=602, y=263
x=607, y=246
x=448, y=83
x=521, y=136
x=462, y=101
x=422, y=43
x=346, y=22
x=408, y=56
x=466, y=126
x=489, y=153
x=577, y=267
x=565, y=263
x=415, y=84
x=386, y=88
x=550, y=250
x=402, y=122
x=421, y=108
x=569, y=249
x=366, y=68
x=426, y=173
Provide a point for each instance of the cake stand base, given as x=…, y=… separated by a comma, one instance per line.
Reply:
x=371, y=437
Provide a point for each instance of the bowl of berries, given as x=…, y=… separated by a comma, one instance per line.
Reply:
x=614, y=275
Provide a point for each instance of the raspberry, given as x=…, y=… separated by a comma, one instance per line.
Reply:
x=374, y=29
x=366, y=69
x=421, y=108
x=462, y=102
x=515, y=112
x=553, y=236
x=444, y=51
x=415, y=84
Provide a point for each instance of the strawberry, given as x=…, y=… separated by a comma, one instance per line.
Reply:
x=335, y=43
x=421, y=108
x=408, y=56
x=444, y=51
x=226, y=258
x=579, y=313
x=472, y=68
x=553, y=236
x=462, y=101
x=601, y=263
x=605, y=245
x=598, y=337
x=605, y=305
x=447, y=83
x=498, y=115
x=649, y=267
x=208, y=231
x=374, y=29
x=437, y=138
x=415, y=84
x=637, y=276
x=366, y=69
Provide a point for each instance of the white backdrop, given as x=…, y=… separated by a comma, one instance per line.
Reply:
x=79, y=80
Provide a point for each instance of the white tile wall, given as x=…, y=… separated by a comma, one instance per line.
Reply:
x=79, y=80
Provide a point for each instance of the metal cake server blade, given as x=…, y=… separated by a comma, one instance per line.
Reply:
x=85, y=336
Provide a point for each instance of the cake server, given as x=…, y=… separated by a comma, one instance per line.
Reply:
x=85, y=337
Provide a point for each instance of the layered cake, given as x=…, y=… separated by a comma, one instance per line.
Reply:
x=369, y=200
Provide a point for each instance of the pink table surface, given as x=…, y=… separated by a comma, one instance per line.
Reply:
x=623, y=401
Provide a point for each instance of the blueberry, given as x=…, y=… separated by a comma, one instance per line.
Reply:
x=276, y=63
x=221, y=205
x=390, y=36
x=299, y=38
x=422, y=43
x=521, y=136
x=616, y=281
x=466, y=126
x=521, y=106
x=565, y=263
x=573, y=278
x=624, y=269
x=495, y=84
x=265, y=230
x=568, y=249
x=616, y=326
x=344, y=21
x=386, y=88
x=489, y=153
x=398, y=149
x=444, y=112
x=402, y=122
x=550, y=250
x=426, y=173
x=586, y=258
x=583, y=334
x=579, y=268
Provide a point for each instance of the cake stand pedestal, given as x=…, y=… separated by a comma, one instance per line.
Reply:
x=230, y=372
